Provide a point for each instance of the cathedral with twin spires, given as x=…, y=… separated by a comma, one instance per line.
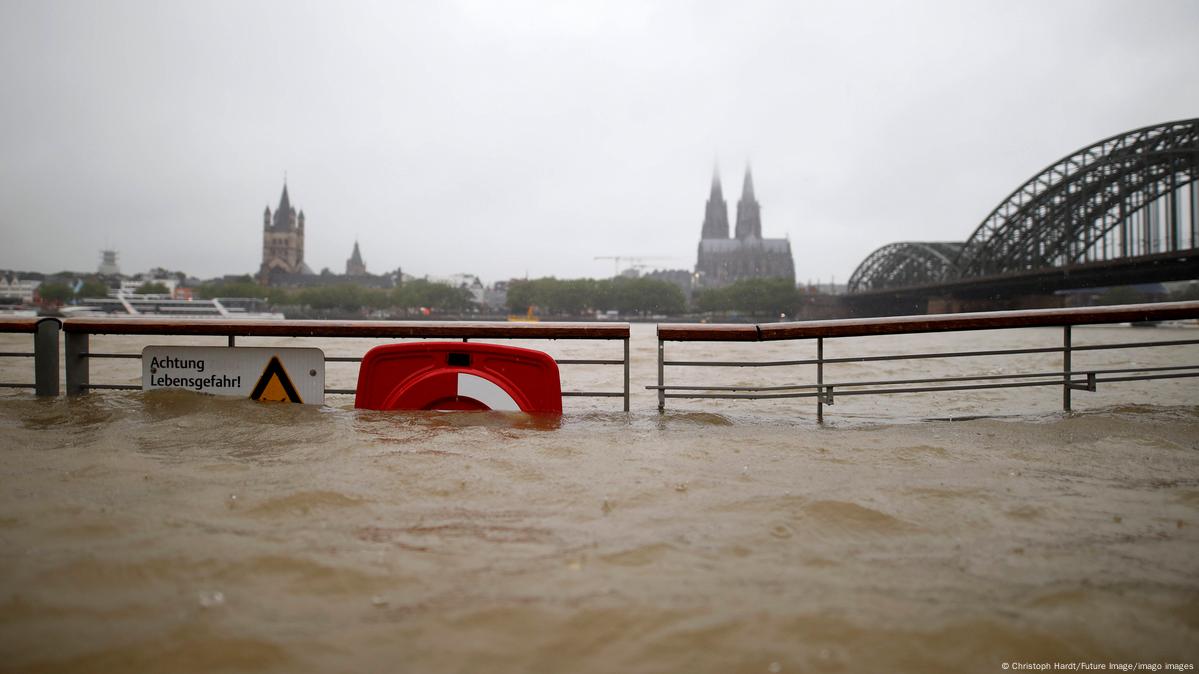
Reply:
x=723, y=260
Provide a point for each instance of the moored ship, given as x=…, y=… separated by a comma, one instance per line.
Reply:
x=162, y=305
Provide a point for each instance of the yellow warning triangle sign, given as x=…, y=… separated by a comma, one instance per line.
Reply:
x=274, y=385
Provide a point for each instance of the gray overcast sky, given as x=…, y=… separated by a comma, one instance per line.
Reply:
x=505, y=138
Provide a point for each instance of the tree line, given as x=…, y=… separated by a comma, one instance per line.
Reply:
x=61, y=293
x=348, y=297
x=754, y=297
x=769, y=297
x=645, y=296
x=577, y=297
x=547, y=296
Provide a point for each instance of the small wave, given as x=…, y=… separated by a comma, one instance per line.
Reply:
x=919, y=453
x=76, y=415
x=641, y=555
x=697, y=418
x=935, y=493
x=104, y=575
x=1189, y=497
x=163, y=404
x=307, y=576
x=442, y=421
x=304, y=502
x=848, y=516
x=193, y=648
x=1025, y=512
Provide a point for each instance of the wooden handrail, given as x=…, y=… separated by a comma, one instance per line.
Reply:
x=22, y=323
x=705, y=332
x=898, y=325
x=373, y=329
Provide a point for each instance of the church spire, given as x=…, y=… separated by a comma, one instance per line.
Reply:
x=355, y=266
x=284, y=202
x=285, y=215
x=749, y=211
x=716, y=214
x=282, y=241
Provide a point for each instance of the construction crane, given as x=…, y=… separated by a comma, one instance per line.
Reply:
x=635, y=260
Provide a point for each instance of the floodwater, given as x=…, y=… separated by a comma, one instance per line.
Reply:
x=174, y=532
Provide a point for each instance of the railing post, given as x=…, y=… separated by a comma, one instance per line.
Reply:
x=45, y=357
x=1066, y=368
x=661, y=376
x=78, y=363
x=820, y=380
x=626, y=373
x=232, y=341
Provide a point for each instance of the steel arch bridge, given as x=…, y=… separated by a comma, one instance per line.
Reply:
x=1134, y=196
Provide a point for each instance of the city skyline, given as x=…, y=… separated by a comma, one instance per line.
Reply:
x=532, y=138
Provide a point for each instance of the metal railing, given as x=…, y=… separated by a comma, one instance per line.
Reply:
x=1069, y=379
x=78, y=354
x=44, y=354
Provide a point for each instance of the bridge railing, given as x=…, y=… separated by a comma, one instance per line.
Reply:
x=44, y=354
x=78, y=354
x=824, y=392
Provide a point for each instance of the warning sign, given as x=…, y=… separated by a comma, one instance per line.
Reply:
x=274, y=385
x=259, y=373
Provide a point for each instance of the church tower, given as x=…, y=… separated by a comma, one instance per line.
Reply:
x=716, y=214
x=282, y=240
x=749, y=212
x=355, y=266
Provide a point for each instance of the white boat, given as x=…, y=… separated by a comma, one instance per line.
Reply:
x=164, y=306
x=17, y=312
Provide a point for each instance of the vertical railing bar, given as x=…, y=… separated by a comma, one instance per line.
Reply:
x=661, y=375
x=45, y=359
x=820, y=380
x=232, y=341
x=1066, y=368
x=78, y=363
x=626, y=372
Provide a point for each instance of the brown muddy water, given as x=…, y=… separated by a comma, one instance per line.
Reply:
x=173, y=532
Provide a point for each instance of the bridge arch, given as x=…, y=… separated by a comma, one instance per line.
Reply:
x=907, y=263
x=1131, y=195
